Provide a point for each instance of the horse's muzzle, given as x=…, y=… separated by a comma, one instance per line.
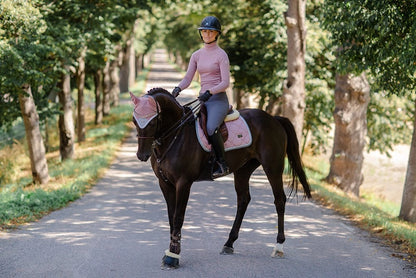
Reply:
x=143, y=157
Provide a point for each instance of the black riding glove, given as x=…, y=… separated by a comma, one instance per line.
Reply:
x=205, y=96
x=176, y=92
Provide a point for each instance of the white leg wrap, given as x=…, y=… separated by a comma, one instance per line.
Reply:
x=277, y=250
x=172, y=255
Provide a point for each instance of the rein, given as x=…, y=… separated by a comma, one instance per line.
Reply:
x=186, y=116
x=174, y=128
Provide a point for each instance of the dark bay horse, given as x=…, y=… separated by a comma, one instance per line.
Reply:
x=167, y=135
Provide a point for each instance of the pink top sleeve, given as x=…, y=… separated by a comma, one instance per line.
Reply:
x=189, y=73
x=213, y=65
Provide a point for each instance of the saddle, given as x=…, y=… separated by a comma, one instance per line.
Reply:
x=231, y=115
x=234, y=130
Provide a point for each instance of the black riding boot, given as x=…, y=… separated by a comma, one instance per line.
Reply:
x=218, y=147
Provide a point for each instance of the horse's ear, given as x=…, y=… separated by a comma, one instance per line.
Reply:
x=134, y=99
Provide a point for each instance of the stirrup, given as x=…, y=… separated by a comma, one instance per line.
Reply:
x=221, y=171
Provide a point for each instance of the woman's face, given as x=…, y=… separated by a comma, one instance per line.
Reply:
x=208, y=36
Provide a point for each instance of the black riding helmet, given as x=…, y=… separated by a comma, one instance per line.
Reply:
x=210, y=23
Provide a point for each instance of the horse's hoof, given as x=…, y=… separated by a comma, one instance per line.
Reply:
x=170, y=260
x=227, y=250
x=277, y=250
x=169, y=263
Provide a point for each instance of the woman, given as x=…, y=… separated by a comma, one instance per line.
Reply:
x=213, y=66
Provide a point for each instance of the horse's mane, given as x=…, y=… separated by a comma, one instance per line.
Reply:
x=157, y=90
x=163, y=91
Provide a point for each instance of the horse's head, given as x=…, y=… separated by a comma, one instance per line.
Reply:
x=152, y=115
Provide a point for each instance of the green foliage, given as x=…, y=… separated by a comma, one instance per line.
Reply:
x=378, y=36
x=30, y=205
x=389, y=121
x=39, y=39
x=256, y=44
x=318, y=117
x=23, y=58
x=179, y=25
x=319, y=81
x=20, y=19
x=147, y=33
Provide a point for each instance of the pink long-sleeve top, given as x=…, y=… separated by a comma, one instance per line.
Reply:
x=213, y=66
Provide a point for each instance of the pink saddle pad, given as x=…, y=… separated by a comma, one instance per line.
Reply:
x=239, y=135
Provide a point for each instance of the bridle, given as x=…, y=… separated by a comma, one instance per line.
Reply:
x=187, y=114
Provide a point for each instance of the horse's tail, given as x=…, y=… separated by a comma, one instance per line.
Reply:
x=295, y=161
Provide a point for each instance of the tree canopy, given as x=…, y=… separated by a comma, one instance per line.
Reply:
x=378, y=36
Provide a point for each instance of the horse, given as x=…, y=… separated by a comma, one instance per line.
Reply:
x=166, y=134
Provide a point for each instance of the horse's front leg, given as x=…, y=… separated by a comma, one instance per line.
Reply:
x=176, y=218
x=169, y=193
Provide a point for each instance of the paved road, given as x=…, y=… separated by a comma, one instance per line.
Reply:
x=120, y=229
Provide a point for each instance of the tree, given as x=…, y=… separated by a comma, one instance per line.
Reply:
x=80, y=77
x=20, y=68
x=64, y=38
x=37, y=156
x=294, y=85
x=369, y=34
x=352, y=95
x=66, y=119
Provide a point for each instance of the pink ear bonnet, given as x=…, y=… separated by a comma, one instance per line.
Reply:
x=145, y=109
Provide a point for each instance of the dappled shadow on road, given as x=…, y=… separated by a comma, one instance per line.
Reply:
x=121, y=227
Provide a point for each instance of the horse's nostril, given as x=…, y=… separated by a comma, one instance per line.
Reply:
x=142, y=157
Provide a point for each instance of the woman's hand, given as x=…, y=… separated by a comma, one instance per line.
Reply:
x=205, y=96
x=176, y=92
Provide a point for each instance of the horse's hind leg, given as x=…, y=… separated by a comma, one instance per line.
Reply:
x=241, y=184
x=275, y=177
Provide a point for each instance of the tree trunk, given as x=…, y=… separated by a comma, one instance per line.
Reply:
x=352, y=95
x=127, y=68
x=238, y=98
x=66, y=120
x=106, y=89
x=293, y=99
x=124, y=71
x=139, y=64
x=98, y=98
x=132, y=59
x=408, y=208
x=114, y=83
x=80, y=85
x=274, y=106
x=38, y=163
